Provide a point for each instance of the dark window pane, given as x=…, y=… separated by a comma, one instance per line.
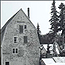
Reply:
x=13, y=50
x=20, y=29
x=25, y=39
x=15, y=39
x=25, y=26
x=7, y=63
x=16, y=50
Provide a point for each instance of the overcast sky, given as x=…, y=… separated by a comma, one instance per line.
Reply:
x=39, y=12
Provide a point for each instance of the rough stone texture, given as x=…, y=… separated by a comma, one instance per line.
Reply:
x=28, y=53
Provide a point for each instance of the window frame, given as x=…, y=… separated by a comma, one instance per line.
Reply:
x=15, y=39
x=16, y=50
x=13, y=50
x=25, y=26
x=6, y=62
x=25, y=39
x=20, y=29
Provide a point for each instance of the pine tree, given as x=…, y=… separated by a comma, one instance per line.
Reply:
x=62, y=22
x=54, y=22
x=61, y=16
x=54, y=19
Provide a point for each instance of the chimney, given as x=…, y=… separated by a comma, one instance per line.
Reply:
x=28, y=13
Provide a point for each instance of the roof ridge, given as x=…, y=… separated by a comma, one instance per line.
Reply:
x=4, y=27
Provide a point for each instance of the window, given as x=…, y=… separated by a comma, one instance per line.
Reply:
x=16, y=50
x=25, y=26
x=6, y=63
x=13, y=50
x=15, y=39
x=20, y=29
x=25, y=39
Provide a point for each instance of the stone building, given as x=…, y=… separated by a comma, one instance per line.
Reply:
x=20, y=43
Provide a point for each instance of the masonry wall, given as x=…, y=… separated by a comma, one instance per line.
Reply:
x=28, y=53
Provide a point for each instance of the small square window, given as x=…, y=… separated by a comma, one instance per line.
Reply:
x=15, y=39
x=15, y=50
x=25, y=26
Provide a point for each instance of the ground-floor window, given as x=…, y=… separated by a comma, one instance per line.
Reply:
x=6, y=63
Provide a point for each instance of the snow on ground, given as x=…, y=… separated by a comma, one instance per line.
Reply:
x=56, y=64
x=59, y=59
x=45, y=46
x=51, y=48
x=51, y=61
x=48, y=61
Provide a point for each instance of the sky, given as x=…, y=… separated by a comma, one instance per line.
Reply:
x=39, y=12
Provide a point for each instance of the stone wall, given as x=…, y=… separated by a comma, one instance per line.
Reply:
x=28, y=53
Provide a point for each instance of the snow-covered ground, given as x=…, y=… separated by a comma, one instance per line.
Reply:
x=48, y=61
x=54, y=61
x=56, y=64
x=59, y=59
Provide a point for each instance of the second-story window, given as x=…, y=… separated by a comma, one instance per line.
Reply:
x=15, y=39
x=20, y=29
x=25, y=26
x=25, y=39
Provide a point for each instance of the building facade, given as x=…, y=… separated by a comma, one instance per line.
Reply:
x=20, y=43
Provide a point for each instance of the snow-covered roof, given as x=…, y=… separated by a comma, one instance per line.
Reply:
x=48, y=61
x=59, y=59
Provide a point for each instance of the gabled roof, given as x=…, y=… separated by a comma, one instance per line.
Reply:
x=4, y=27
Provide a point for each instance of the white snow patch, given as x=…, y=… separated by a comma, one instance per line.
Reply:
x=56, y=64
x=59, y=59
x=48, y=61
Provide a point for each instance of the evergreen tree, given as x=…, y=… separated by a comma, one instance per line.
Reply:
x=62, y=17
x=54, y=22
x=62, y=25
